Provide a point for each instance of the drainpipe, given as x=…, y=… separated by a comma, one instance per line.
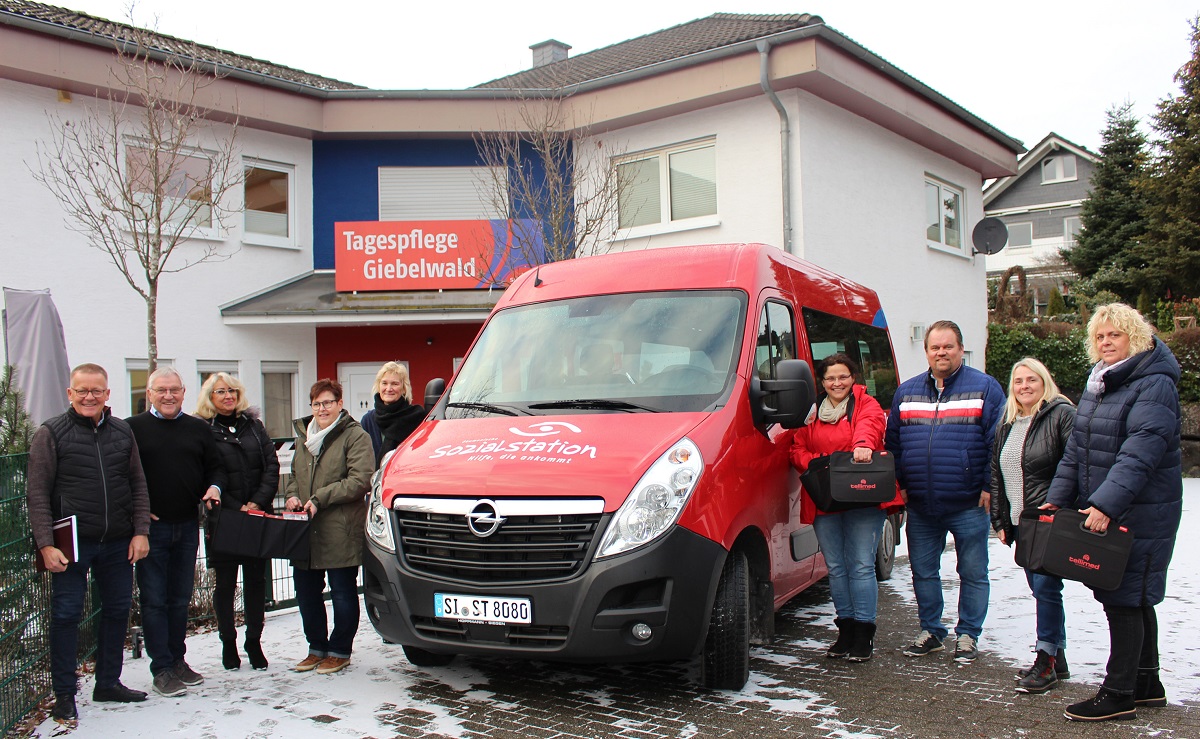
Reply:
x=785, y=141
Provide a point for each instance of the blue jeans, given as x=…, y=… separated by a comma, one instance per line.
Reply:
x=166, y=578
x=1051, y=616
x=113, y=574
x=926, y=542
x=343, y=592
x=849, y=541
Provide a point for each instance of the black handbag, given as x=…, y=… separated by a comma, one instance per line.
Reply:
x=258, y=534
x=1057, y=543
x=871, y=482
x=817, y=482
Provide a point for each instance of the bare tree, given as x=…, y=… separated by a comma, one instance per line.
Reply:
x=560, y=203
x=147, y=168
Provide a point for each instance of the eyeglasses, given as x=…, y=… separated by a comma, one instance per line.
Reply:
x=323, y=405
x=222, y=392
x=167, y=390
x=838, y=378
x=92, y=393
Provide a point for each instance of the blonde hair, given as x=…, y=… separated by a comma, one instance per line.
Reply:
x=1124, y=319
x=204, y=406
x=1050, y=390
x=394, y=368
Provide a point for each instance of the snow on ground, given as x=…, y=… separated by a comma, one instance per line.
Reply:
x=1009, y=629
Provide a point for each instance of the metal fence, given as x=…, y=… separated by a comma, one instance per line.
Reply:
x=25, y=600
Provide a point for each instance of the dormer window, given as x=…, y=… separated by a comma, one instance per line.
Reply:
x=1058, y=168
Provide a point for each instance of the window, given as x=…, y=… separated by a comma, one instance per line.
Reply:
x=776, y=339
x=1058, y=168
x=206, y=368
x=1020, y=234
x=186, y=190
x=869, y=346
x=1071, y=228
x=137, y=371
x=278, y=401
x=438, y=194
x=668, y=186
x=943, y=215
x=268, y=214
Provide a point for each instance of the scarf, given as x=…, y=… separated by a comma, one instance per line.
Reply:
x=316, y=435
x=396, y=421
x=1095, y=380
x=830, y=413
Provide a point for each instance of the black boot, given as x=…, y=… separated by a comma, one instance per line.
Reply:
x=864, y=642
x=229, y=652
x=1150, y=692
x=1041, y=677
x=1061, y=671
x=254, y=651
x=1108, y=705
x=841, y=647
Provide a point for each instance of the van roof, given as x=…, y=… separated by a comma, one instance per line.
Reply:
x=749, y=267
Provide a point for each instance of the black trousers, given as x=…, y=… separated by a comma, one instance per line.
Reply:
x=254, y=586
x=1133, y=645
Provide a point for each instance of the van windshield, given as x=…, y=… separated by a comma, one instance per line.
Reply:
x=632, y=352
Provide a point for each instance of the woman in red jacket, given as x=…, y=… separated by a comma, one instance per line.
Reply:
x=848, y=419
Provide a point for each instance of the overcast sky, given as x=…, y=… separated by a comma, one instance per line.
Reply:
x=1031, y=68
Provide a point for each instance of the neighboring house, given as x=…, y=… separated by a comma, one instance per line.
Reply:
x=1040, y=205
x=735, y=127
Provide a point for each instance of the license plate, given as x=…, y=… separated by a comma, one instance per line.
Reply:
x=482, y=608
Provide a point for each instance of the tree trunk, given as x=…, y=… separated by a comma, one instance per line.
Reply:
x=152, y=327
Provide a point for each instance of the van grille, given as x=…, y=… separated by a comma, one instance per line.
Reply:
x=524, y=549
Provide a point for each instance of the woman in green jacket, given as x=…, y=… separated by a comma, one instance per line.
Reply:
x=331, y=476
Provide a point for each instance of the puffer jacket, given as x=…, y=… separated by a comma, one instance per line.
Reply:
x=1049, y=432
x=1123, y=458
x=338, y=480
x=943, y=441
x=251, y=470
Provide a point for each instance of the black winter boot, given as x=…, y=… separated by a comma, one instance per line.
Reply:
x=864, y=642
x=254, y=651
x=1108, y=705
x=1061, y=670
x=1041, y=677
x=841, y=647
x=229, y=652
x=1149, y=692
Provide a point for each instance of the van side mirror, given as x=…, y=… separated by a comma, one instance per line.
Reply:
x=433, y=391
x=785, y=400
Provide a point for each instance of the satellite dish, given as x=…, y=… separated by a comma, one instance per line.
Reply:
x=989, y=236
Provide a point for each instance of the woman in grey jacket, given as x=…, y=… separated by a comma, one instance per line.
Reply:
x=1029, y=444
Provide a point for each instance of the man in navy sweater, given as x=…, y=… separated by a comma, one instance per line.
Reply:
x=183, y=469
x=940, y=431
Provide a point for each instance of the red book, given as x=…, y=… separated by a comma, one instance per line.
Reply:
x=66, y=539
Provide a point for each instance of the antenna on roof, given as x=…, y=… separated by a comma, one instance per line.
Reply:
x=537, y=277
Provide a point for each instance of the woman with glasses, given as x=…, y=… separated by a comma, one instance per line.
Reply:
x=331, y=475
x=848, y=420
x=395, y=416
x=252, y=472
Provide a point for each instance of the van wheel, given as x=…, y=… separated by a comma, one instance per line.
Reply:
x=425, y=658
x=726, y=661
x=885, y=555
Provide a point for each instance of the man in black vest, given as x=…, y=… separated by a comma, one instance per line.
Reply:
x=85, y=464
x=183, y=468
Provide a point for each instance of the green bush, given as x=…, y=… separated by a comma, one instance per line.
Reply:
x=1056, y=306
x=1060, y=346
x=1186, y=346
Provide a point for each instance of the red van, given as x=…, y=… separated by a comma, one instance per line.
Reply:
x=606, y=478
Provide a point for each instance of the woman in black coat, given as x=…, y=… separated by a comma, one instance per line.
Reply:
x=252, y=477
x=395, y=416
x=1029, y=443
x=1122, y=468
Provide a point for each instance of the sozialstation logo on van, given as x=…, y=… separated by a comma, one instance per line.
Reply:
x=548, y=441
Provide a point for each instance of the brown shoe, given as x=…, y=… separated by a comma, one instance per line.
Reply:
x=330, y=665
x=308, y=663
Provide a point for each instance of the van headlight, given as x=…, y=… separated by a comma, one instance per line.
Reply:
x=656, y=500
x=379, y=522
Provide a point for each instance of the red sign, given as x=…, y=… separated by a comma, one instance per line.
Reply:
x=414, y=255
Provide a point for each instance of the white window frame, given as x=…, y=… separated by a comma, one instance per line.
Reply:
x=140, y=364
x=1056, y=165
x=285, y=367
x=665, y=224
x=941, y=245
x=213, y=366
x=1068, y=238
x=211, y=232
x=262, y=239
x=1014, y=226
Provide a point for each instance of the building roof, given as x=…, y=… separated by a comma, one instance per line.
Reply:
x=1028, y=161
x=91, y=29
x=703, y=34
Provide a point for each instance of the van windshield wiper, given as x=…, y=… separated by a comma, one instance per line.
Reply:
x=595, y=404
x=503, y=410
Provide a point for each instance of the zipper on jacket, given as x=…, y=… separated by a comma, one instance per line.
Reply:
x=103, y=477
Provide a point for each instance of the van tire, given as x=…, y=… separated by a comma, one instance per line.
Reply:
x=425, y=658
x=725, y=664
x=885, y=555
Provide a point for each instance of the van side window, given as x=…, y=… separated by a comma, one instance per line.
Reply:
x=776, y=339
x=865, y=344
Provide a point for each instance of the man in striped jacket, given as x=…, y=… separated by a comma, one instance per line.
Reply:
x=940, y=431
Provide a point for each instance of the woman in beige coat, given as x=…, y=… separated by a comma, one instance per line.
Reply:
x=331, y=475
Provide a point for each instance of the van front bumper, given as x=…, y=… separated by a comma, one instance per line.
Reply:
x=667, y=586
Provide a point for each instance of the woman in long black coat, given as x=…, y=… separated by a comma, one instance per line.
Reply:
x=252, y=477
x=394, y=416
x=1122, y=467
